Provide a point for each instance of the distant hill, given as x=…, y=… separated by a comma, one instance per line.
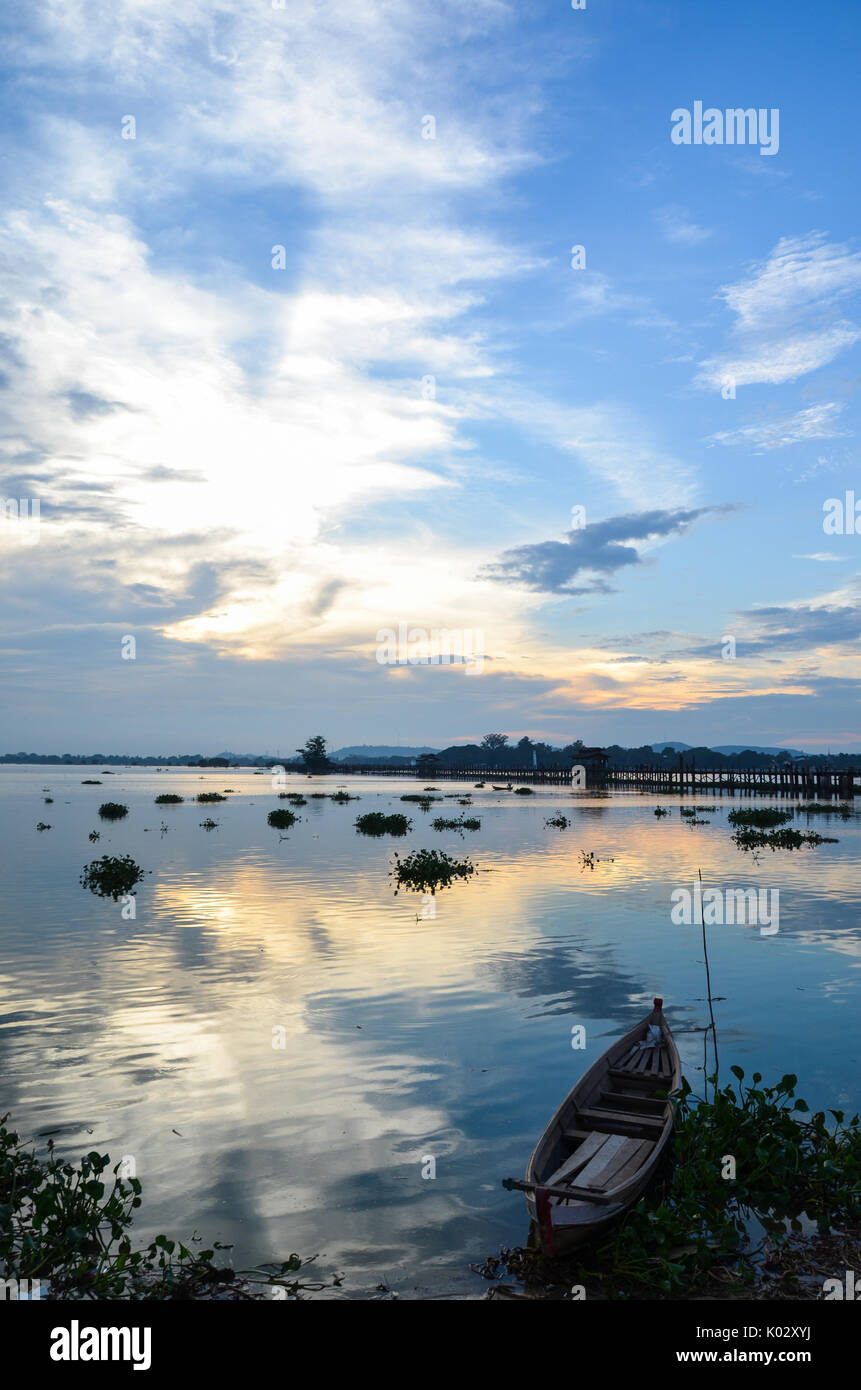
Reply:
x=756, y=748
x=732, y=748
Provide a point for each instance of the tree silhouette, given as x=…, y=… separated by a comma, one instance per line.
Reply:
x=314, y=754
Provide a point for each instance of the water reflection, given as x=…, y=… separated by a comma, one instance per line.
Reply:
x=281, y=1042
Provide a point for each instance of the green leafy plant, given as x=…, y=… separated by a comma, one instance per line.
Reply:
x=456, y=823
x=68, y=1225
x=111, y=876
x=425, y=870
x=423, y=802
x=749, y=839
x=113, y=810
x=763, y=816
x=282, y=820
x=376, y=823
x=824, y=808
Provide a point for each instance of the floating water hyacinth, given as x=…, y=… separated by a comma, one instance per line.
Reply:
x=425, y=870
x=376, y=823
x=111, y=876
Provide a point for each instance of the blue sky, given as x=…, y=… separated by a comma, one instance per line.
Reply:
x=254, y=470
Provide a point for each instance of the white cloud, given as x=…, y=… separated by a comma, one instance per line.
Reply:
x=779, y=311
x=815, y=422
x=679, y=228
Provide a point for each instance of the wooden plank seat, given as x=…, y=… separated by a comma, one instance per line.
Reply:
x=645, y=1061
x=635, y=1105
x=615, y=1156
x=607, y=1121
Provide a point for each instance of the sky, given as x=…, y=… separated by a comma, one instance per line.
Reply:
x=322, y=322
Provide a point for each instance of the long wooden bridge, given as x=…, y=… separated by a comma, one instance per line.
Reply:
x=790, y=780
x=794, y=779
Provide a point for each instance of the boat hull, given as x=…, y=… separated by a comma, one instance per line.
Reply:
x=606, y=1140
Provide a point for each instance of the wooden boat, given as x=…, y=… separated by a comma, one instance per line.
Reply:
x=501, y=789
x=603, y=1145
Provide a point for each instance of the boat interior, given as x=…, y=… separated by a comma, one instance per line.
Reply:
x=606, y=1135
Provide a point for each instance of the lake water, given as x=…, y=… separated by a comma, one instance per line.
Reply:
x=406, y=1037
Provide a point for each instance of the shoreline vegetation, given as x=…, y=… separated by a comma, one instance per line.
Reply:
x=753, y=1158
x=68, y=1226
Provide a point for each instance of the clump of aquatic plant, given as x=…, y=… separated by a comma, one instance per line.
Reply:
x=113, y=810
x=479, y=786
x=456, y=823
x=69, y=1225
x=293, y=797
x=40, y=825
x=588, y=859
x=426, y=870
x=90, y=782
x=789, y=1164
x=661, y=811
x=431, y=789
x=748, y=838
x=697, y=820
x=169, y=799
x=94, y=835
x=463, y=800
x=376, y=823
x=111, y=876
x=209, y=824
x=343, y=797
x=523, y=791
x=319, y=796
x=824, y=808
x=207, y=798
x=48, y=800
x=762, y=816
x=282, y=820
x=423, y=802
x=559, y=821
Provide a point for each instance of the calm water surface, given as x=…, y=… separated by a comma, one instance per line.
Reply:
x=405, y=1037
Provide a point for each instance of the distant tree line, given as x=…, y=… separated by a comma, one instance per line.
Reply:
x=494, y=751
